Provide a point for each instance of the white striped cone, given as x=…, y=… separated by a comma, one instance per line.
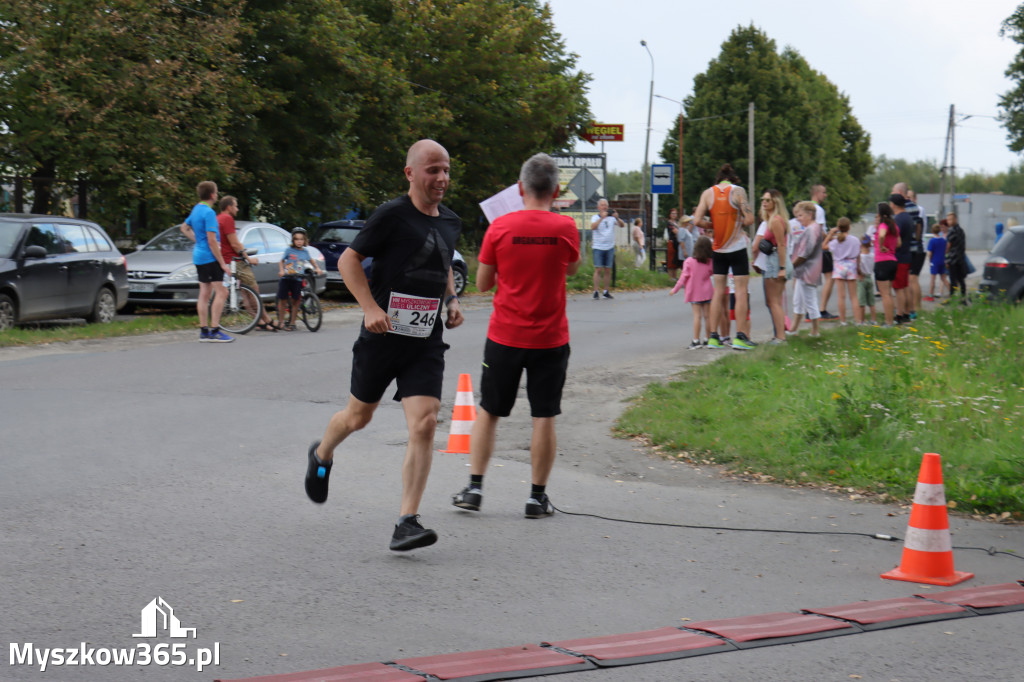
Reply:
x=463, y=416
x=927, y=549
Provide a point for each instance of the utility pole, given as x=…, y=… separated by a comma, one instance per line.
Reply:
x=750, y=154
x=948, y=165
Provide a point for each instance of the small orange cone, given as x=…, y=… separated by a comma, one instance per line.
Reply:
x=463, y=416
x=928, y=551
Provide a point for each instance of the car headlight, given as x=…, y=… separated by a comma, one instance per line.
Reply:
x=185, y=274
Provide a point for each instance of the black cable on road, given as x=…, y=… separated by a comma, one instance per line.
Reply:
x=873, y=536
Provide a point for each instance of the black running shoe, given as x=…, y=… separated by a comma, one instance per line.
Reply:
x=469, y=498
x=409, y=534
x=317, y=475
x=539, y=507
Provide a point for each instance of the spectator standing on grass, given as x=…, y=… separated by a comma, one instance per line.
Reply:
x=866, y=280
x=527, y=254
x=937, y=259
x=818, y=195
x=698, y=289
x=887, y=240
x=603, y=225
x=917, y=252
x=845, y=251
x=201, y=227
x=901, y=283
x=774, y=229
x=232, y=250
x=639, y=243
x=672, y=229
x=728, y=207
x=806, y=257
x=956, y=257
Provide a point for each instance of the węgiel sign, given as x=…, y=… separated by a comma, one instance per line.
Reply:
x=604, y=132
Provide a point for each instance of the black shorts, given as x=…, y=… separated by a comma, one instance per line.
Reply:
x=737, y=260
x=826, y=262
x=885, y=271
x=289, y=288
x=210, y=272
x=916, y=262
x=545, y=377
x=417, y=365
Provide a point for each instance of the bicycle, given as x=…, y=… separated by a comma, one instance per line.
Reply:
x=309, y=306
x=243, y=307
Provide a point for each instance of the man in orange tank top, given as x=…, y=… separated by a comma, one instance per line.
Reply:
x=729, y=210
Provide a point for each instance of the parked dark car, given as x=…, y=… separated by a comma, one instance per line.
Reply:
x=53, y=267
x=161, y=273
x=332, y=238
x=1003, y=276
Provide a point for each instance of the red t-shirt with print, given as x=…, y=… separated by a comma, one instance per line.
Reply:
x=226, y=222
x=530, y=252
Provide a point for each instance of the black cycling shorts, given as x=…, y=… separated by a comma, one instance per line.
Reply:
x=737, y=260
x=417, y=365
x=826, y=262
x=885, y=271
x=545, y=376
x=210, y=272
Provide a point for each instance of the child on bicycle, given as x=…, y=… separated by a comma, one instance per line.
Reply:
x=292, y=271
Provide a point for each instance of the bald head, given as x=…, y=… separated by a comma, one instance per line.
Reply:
x=900, y=188
x=421, y=149
x=427, y=169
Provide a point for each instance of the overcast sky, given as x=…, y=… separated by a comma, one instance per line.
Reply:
x=901, y=62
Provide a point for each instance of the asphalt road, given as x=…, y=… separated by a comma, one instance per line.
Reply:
x=160, y=467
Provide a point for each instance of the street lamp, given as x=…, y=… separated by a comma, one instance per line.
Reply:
x=647, y=144
x=682, y=212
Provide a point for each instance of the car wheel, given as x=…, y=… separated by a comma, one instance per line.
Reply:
x=105, y=308
x=459, y=275
x=8, y=313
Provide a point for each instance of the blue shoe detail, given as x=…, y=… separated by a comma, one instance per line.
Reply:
x=321, y=472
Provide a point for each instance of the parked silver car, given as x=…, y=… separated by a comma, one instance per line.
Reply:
x=161, y=273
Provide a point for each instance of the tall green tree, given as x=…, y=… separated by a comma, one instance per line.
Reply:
x=804, y=133
x=920, y=176
x=1012, y=102
x=127, y=95
x=492, y=82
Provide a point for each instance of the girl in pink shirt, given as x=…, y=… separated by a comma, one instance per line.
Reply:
x=696, y=280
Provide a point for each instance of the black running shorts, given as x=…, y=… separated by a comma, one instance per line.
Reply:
x=545, y=376
x=417, y=365
x=737, y=260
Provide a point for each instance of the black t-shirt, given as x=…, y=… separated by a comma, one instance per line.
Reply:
x=905, y=223
x=412, y=251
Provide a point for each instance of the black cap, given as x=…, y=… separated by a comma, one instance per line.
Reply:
x=897, y=200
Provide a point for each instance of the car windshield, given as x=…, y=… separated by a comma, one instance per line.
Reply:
x=170, y=239
x=8, y=236
x=343, y=235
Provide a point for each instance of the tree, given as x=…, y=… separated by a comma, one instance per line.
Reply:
x=622, y=183
x=127, y=94
x=920, y=176
x=492, y=83
x=805, y=131
x=1012, y=102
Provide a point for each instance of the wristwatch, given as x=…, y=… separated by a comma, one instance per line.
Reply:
x=449, y=299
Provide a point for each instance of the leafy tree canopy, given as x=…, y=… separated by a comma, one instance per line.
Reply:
x=805, y=131
x=1012, y=102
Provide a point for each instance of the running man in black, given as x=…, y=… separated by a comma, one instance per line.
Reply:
x=411, y=240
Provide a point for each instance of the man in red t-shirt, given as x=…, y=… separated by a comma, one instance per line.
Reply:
x=527, y=254
x=231, y=248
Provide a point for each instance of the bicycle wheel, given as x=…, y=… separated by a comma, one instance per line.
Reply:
x=312, y=313
x=241, y=317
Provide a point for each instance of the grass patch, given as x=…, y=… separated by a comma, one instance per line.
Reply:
x=32, y=334
x=858, y=406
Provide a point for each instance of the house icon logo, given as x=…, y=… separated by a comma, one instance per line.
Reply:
x=159, y=615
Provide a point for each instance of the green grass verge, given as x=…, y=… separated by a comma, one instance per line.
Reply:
x=56, y=332
x=858, y=406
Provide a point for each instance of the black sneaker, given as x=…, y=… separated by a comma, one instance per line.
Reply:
x=409, y=534
x=469, y=498
x=317, y=475
x=826, y=315
x=607, y=295
x=596, y=295
x=539, y=507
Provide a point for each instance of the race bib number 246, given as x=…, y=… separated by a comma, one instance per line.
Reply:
x=412, y=315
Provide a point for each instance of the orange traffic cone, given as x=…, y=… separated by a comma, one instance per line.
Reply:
x=463, y=416
x=928, y=551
